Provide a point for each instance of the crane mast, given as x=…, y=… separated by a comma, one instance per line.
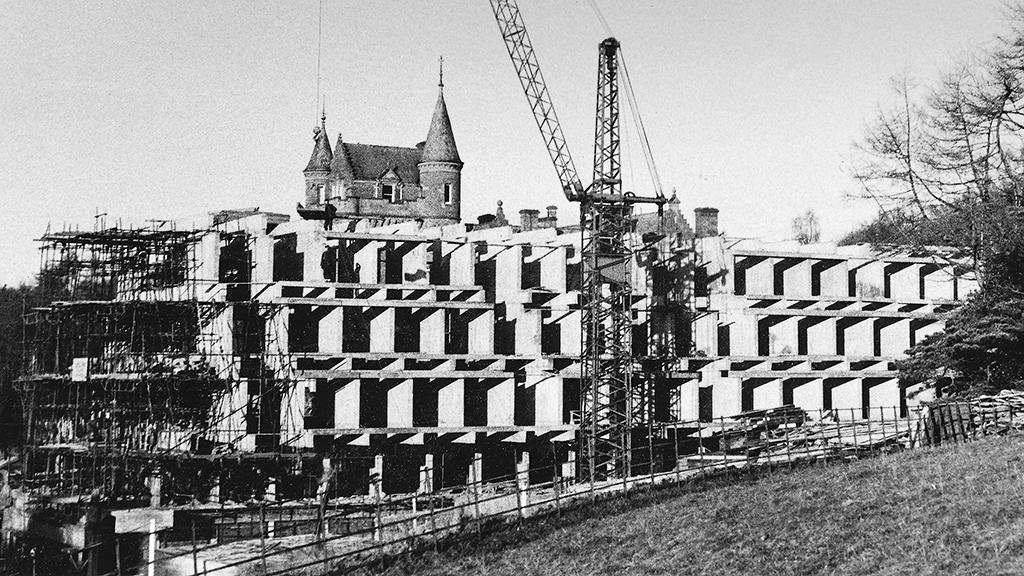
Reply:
x=607, y=395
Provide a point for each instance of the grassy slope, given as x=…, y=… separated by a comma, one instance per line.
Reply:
x=952, y=510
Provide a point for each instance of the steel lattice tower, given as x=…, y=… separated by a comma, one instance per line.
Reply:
x=606, y=362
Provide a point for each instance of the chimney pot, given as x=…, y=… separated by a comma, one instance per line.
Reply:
x=528, y=219
x=705, y=222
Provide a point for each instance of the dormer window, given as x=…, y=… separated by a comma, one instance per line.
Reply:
x=447, y=192
x=387, y=192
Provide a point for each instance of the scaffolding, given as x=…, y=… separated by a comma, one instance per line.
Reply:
x=139, y=364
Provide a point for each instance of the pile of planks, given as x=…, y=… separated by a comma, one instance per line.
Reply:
x=999, y=413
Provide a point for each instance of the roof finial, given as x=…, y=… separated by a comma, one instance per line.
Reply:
x=440, y=71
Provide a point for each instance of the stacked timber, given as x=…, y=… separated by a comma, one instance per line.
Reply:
x=999, y=413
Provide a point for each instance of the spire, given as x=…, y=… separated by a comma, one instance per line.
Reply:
x=320, y=160
x=341, y=166
x=440, y=144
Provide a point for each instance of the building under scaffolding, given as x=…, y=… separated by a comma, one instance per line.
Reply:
x=365, y=347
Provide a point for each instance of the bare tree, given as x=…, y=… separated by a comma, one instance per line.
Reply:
x=807, y=228
x=946, y=161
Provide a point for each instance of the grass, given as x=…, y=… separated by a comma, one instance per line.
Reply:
x=950, y=510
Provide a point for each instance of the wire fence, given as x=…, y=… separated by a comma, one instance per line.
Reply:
x=277, y=538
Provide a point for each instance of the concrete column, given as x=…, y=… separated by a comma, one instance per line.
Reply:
x=432, y=332
x=552, y=269
x=263, y=260
x=523, y=470
x=797, y=279
x=481, y=333
x=726, y=395
x=377, y=477
x=501, y=403
x=209, y=259
x=834, y=281
x=312, y=245
x=938, y=284
x=461, y=272
x=426, y=485
x=965, y=286
x=782, y=336
x=400, y=404
x=365, y=261
x=904, y=284
x=847, y=396
x=809, y=395
x=476, y=469
x=760, y=277
x=571, y=336
x=528, y=330
x=215, y=490
x=326, y=466
x=870, y=283
x=451, y=399
x=414, y=265
x=569, y=466
x=768, y=395
x=270, y=494
x=346, y=405
x=743, y=335
x=860, y=339
x=547, y=397
x=382, y=331
x=688, y=404
x=329, y=334
x=509, y=278
x=821, y=338
x=155, y=483
x=895, y=338
x=884, y=394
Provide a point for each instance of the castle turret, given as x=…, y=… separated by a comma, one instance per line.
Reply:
x=318, y=170
x=440, y=166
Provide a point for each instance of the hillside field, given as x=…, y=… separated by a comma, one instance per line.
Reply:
x=949, y=510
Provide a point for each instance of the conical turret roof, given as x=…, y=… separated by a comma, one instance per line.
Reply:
x=320, y=160
x=440, y=144
x=341, y=166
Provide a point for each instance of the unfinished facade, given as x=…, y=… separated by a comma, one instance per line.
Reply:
x=378, y=338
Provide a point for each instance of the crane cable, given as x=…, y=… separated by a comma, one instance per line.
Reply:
x=634, y=109
x=645, y=143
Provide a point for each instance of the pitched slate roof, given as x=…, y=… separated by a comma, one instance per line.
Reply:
x=440, y=144
x=369, y=161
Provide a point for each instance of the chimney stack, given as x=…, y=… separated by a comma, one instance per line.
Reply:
x=705, y=222
x=528, y=219
x=551, y=220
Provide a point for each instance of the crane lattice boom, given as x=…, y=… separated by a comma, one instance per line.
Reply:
x=517, y=41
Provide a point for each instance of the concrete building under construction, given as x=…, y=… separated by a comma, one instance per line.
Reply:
x=377, y=336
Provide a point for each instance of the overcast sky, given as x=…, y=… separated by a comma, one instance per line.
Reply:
x=170, y=109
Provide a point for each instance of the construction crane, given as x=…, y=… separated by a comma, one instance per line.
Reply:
x=608, y=401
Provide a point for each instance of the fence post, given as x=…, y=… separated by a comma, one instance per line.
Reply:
x=195, y=552
x=871, y=433
x=650, y=454
x=557, y=485
x=519, y=493
x=675, y=451
x=476, y=492
x=151, y=565
x=263, y=535
x=117, y=555
x=377, y=521
x=433, y=521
